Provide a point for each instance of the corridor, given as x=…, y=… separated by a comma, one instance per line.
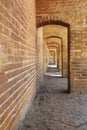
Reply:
x=55, y=109
x=43, y=64
x=52, y=70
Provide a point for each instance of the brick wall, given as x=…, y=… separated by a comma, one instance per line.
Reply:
x=43, y=54
x=40, y=53
x=73, y=14
x=17, y=59
x=46, y=56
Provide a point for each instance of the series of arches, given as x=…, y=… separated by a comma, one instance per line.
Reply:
x=58, y=47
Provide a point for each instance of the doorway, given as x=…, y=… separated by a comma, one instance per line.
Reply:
x=55, y=51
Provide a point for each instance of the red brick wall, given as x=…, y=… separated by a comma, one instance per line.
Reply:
x=17, y=58
x=73, y=13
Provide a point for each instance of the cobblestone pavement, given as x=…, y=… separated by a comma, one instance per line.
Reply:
x=54, y=109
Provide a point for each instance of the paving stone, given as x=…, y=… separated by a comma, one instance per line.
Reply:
x=53, y=109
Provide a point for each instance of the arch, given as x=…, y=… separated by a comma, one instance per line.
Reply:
x=53, y=44
x=54, y=37
x=44, y=22
x=49, y=22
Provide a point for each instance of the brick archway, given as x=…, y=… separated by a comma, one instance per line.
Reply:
x=44, y=21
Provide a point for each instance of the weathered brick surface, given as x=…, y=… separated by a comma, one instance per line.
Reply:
x=17, y=58
x=43, y=54
x=73, y=14
x=40, y=51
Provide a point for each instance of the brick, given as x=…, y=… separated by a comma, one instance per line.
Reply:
x=18, y=42
x=68, y=14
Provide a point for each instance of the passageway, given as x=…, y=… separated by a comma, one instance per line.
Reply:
x=43, y=64
x=53, y=44
x=53, y=71
x=54, y=109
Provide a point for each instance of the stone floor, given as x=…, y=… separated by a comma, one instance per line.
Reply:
x=54, y=109
x=53, y=71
